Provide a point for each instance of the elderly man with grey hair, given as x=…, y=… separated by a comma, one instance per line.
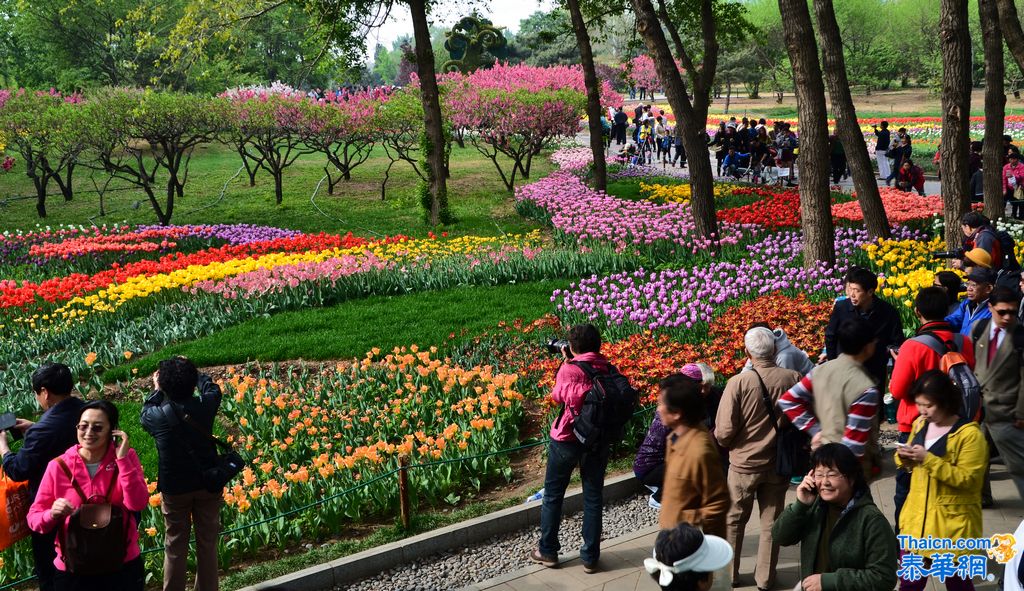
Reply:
x=745, y=426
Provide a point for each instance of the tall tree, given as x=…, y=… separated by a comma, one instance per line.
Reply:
x=1009, y=22
x=433, y=143
x=815, y=198
x=955, y=45
x=995, y=107
x=593, y=95
x=846, y=121
x=690, y=116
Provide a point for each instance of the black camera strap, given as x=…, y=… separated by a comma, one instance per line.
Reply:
x=176, y=419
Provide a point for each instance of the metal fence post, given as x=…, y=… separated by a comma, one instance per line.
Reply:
x=403, y=490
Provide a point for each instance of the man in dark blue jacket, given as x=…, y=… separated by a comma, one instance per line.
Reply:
x=862, y=302
x=181, y=424
x=46, y=439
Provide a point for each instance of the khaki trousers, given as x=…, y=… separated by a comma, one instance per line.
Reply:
x=769, y=490
x=201, y=508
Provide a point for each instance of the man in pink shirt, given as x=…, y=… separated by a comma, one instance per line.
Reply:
x=565, y=452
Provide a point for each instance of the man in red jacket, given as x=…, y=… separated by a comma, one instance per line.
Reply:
x=916, y=356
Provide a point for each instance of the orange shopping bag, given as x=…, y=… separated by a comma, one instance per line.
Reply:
x=14, y=504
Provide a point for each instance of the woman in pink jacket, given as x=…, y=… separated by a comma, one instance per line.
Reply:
x=1013, y=177
x=104, y=469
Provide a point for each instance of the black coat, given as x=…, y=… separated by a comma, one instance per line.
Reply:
x=888, y=331
x=183, y=451
x=50, y=437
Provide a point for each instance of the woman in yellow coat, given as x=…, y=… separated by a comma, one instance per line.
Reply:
x=946, y=456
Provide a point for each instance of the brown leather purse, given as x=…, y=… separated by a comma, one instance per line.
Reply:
x=95, y=540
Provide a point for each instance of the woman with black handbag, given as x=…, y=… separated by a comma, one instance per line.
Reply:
x=91, y=494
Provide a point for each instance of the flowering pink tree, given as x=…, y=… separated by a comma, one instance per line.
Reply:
x=641, y=72
x=269, y=129
x=342, y=127
x=238, y=136
x=533, y=79
x=517, y=111
x=517, y=125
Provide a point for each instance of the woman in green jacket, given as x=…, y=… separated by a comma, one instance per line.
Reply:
x=846, y=544
x=946, y=456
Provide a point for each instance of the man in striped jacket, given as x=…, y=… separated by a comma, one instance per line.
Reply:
x=847, y=401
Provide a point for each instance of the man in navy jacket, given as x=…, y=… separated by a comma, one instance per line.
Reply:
x=46, y=439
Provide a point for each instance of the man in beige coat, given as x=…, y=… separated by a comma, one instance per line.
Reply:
x=744, y=426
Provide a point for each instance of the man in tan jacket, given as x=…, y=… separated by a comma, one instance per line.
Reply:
x=743, y=425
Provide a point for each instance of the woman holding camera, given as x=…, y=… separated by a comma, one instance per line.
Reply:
x=98, y=480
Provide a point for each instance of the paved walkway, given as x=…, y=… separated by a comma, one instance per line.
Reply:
x=622, y=558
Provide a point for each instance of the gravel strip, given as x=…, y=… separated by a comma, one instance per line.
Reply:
x=499, y=555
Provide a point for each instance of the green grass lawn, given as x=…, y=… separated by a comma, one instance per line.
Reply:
x=352, y=328
x=476, y=195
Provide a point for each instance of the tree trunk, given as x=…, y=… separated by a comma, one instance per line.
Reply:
x=955, y=45
x=847, y=127
x=593, y=95
x=41, y=203
x=66, y=188
x=690, y=116
x=1010, y=25
x=815, y=198
x=278, y=187
x=728, y=95
x=995, y=109
x=432, y=122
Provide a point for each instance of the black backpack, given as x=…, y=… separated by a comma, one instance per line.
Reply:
x=95, y=541
x=1006, y=246
x=607, y=407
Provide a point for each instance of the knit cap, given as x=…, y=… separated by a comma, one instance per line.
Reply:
x=691, y=371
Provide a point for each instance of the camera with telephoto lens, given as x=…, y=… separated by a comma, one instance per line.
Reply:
x=950, y=254
x=558, y=347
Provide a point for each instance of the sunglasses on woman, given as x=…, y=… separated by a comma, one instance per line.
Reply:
x=82, y=428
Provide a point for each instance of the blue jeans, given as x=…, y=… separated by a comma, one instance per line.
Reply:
x=902, y=484
x=563, y=457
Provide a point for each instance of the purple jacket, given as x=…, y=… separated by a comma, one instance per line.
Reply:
x=571, y=384
x=652, y=450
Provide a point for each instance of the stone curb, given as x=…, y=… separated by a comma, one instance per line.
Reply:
x=563, y=559
x=371, y=562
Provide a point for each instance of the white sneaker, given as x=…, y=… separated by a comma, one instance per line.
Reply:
x=535, y=496
x=653, y=489
x=652, y=503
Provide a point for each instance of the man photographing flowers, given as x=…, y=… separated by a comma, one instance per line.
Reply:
x=184, y=454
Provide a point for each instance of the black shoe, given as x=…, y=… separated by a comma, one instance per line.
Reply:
x=590, y=567
x=987, y=502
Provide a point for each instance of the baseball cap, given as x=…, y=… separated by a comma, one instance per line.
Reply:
x=981, y=275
